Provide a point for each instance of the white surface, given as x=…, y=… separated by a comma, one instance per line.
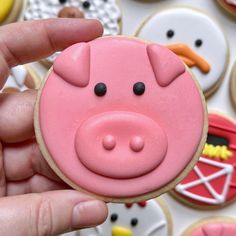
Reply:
x=134, y=12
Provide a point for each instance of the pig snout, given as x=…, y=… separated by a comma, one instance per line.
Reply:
x=120, y=144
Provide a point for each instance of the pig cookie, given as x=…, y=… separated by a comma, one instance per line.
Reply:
x=229, y=6
x=100, y=133
x=10, y=10
x=195, y=37
x=107, y=11
x=150, y=218
x=232, y=86
x=212, y=182
x=213, y=226
x=21, y=77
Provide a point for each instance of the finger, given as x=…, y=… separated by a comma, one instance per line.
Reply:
x=2, y=174
x=35, y=184
x=49, y=213
x=16, y=116
x=32, y=40
x=23, y=160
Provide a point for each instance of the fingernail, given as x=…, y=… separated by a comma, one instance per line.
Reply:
x=88, y=214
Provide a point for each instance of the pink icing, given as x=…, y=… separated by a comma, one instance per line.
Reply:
x=120, y=144
x=219, y=229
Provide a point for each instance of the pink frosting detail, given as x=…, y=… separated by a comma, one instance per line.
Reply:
x=168, y=119
x=166, y=66
x=220, y=229
x=76, y=60
x=90, y=150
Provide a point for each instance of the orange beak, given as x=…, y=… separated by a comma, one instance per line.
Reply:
x=189, y=57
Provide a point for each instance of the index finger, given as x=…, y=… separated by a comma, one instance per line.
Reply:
x=33, y=40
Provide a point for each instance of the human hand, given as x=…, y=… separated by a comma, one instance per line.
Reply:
x=27, y=204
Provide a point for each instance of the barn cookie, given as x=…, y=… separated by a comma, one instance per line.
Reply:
x=107, y=12
x=232, y=86
x=212, y=182
x=228, y=5
x=106, y=126
x=150, y=218
x=196, y=38
x=21, y=78
x=214, y=226
x=10, y=10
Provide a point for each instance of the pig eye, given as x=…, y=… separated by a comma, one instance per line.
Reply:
x=100, y=89
x=114, y=217
x=139, y=88
x=134, y=222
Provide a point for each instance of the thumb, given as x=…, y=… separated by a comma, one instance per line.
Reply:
x=49, y=213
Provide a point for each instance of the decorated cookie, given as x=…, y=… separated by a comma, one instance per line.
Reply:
x=212, y=182
x=104, y=118
x=10, y=10
x=107, y=11
x=195, y=38
x=232, y=86
x=21, y=78
x=214, y=226
x=229, y=6
x=150, y=218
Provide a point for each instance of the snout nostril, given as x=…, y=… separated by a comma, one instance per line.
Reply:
x=137, y=144
x=109, y=142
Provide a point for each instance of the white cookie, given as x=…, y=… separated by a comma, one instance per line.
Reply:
x=134, y=220
x=196, y=37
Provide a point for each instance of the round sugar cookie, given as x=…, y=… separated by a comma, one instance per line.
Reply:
x=106, y=126
x=10, y=10
x=228, y=5
x=212, y=182
x=232, y=86
x=21, y=77
x=108, y=12
x=212, y=226
x=195, y=37
x=144, y=218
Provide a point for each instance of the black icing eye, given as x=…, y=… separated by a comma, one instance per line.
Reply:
x=100, y=89
x=114, y=217
x=134, y=222
x=86, y=4
x=198, y=43
x=170, y=33
x=139, y=88
x=62, y=1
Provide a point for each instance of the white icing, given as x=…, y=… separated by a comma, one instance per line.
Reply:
x=107, y=11
x=190, y=25
x=151, y=220
x=17, y=78
x=225, y=170
x=233, y=2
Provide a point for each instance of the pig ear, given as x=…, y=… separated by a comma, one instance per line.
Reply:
x=73, y=65
x=165, y=64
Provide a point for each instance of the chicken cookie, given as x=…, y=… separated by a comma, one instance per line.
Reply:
x=212, y=182
x=107, y=11
x=196, y=38
x=150, y=218
x=107, y=126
